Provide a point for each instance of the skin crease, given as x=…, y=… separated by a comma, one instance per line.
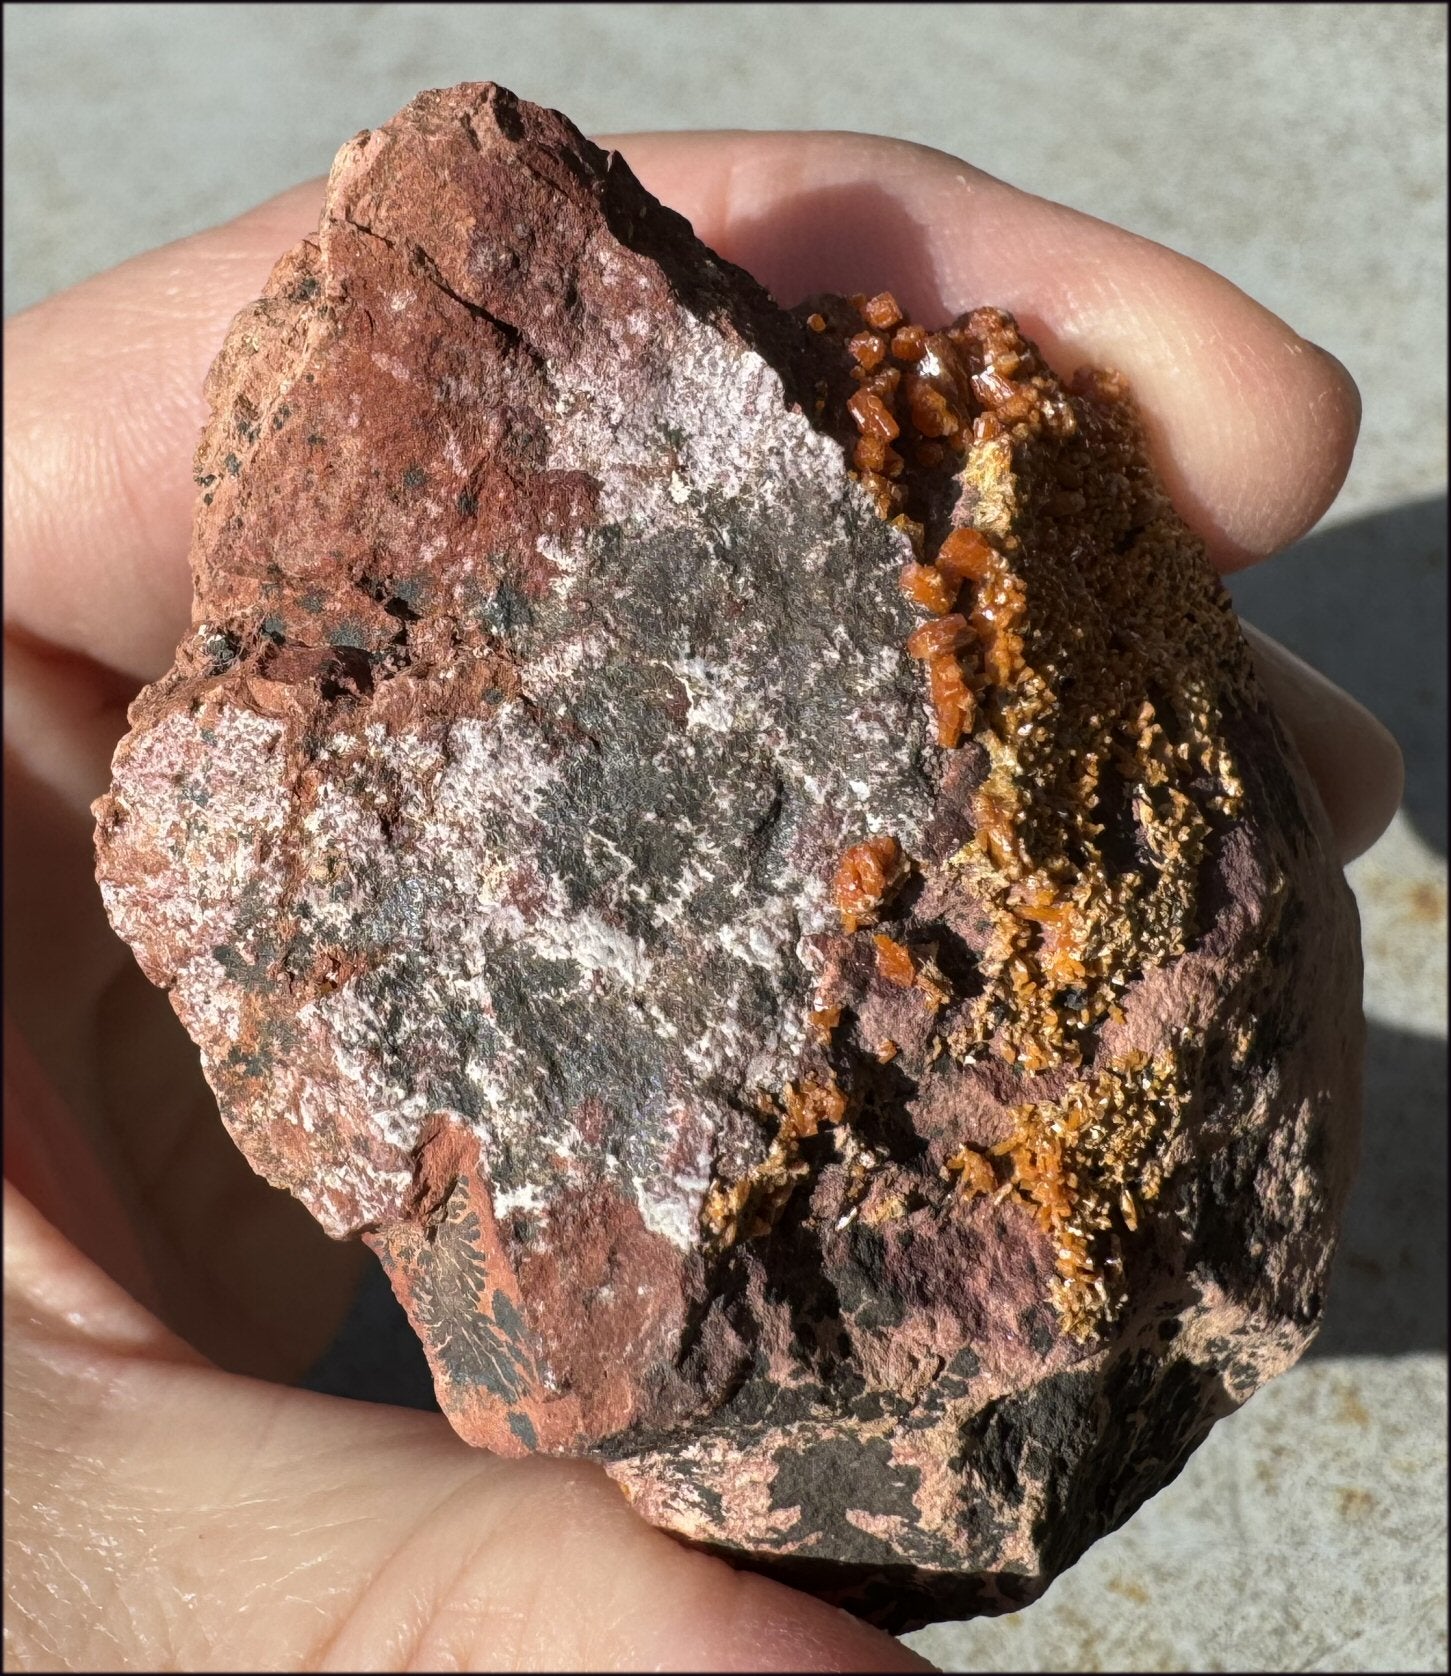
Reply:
x=170, y=1505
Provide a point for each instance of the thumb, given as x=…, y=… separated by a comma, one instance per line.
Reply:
x=163, y=1515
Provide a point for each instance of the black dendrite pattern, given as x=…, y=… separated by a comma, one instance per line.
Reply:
x=480, y=1340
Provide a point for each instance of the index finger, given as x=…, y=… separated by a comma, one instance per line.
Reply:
x=1252, y=427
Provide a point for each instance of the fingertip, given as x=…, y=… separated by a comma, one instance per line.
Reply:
x=1250, y=426
x=1340, y=376
x=1353, y=758
x=1274, y=483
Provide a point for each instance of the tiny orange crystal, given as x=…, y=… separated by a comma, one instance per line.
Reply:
x=870, y=351
x=947, y=634
x=863, y=876
x=882, y=311
x=925, y=584
x=894, y=961
x=872, y=416
x=952, y=700
x=909, y=343
x=965, y=555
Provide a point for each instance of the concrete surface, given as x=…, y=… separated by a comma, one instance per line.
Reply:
x=1301, y=150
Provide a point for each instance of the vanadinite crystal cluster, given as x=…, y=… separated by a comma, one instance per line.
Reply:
x=742, y=851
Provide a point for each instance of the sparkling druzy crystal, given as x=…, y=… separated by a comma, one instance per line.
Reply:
x=742, y=851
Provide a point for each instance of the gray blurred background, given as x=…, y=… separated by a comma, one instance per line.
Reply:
x=1301, y=150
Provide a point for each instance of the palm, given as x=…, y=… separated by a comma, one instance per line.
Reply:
x=336, y=1534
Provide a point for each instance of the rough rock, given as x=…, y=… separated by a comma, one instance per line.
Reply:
x=741, y=851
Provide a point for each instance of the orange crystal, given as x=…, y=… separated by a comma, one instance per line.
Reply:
x=863, y=876
x=894, y=962
x=947, y=634
x=925, y=584
x=872, y=416
x=882, y=311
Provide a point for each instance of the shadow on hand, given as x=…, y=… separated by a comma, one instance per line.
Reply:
x=841, y=239
x=1365, y=603
x=859, y=237
x=376, y=1356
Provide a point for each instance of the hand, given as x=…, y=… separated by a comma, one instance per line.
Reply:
x=171, y=1505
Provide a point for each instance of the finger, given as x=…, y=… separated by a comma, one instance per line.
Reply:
x=1354, y=761
x=1252, y=427
x=164, y=1516
x=103, y=410
x=52, y=1161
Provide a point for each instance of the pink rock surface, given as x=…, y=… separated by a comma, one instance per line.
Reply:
x=548, y=655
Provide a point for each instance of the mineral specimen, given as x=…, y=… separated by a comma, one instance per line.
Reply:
x=742, y=851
